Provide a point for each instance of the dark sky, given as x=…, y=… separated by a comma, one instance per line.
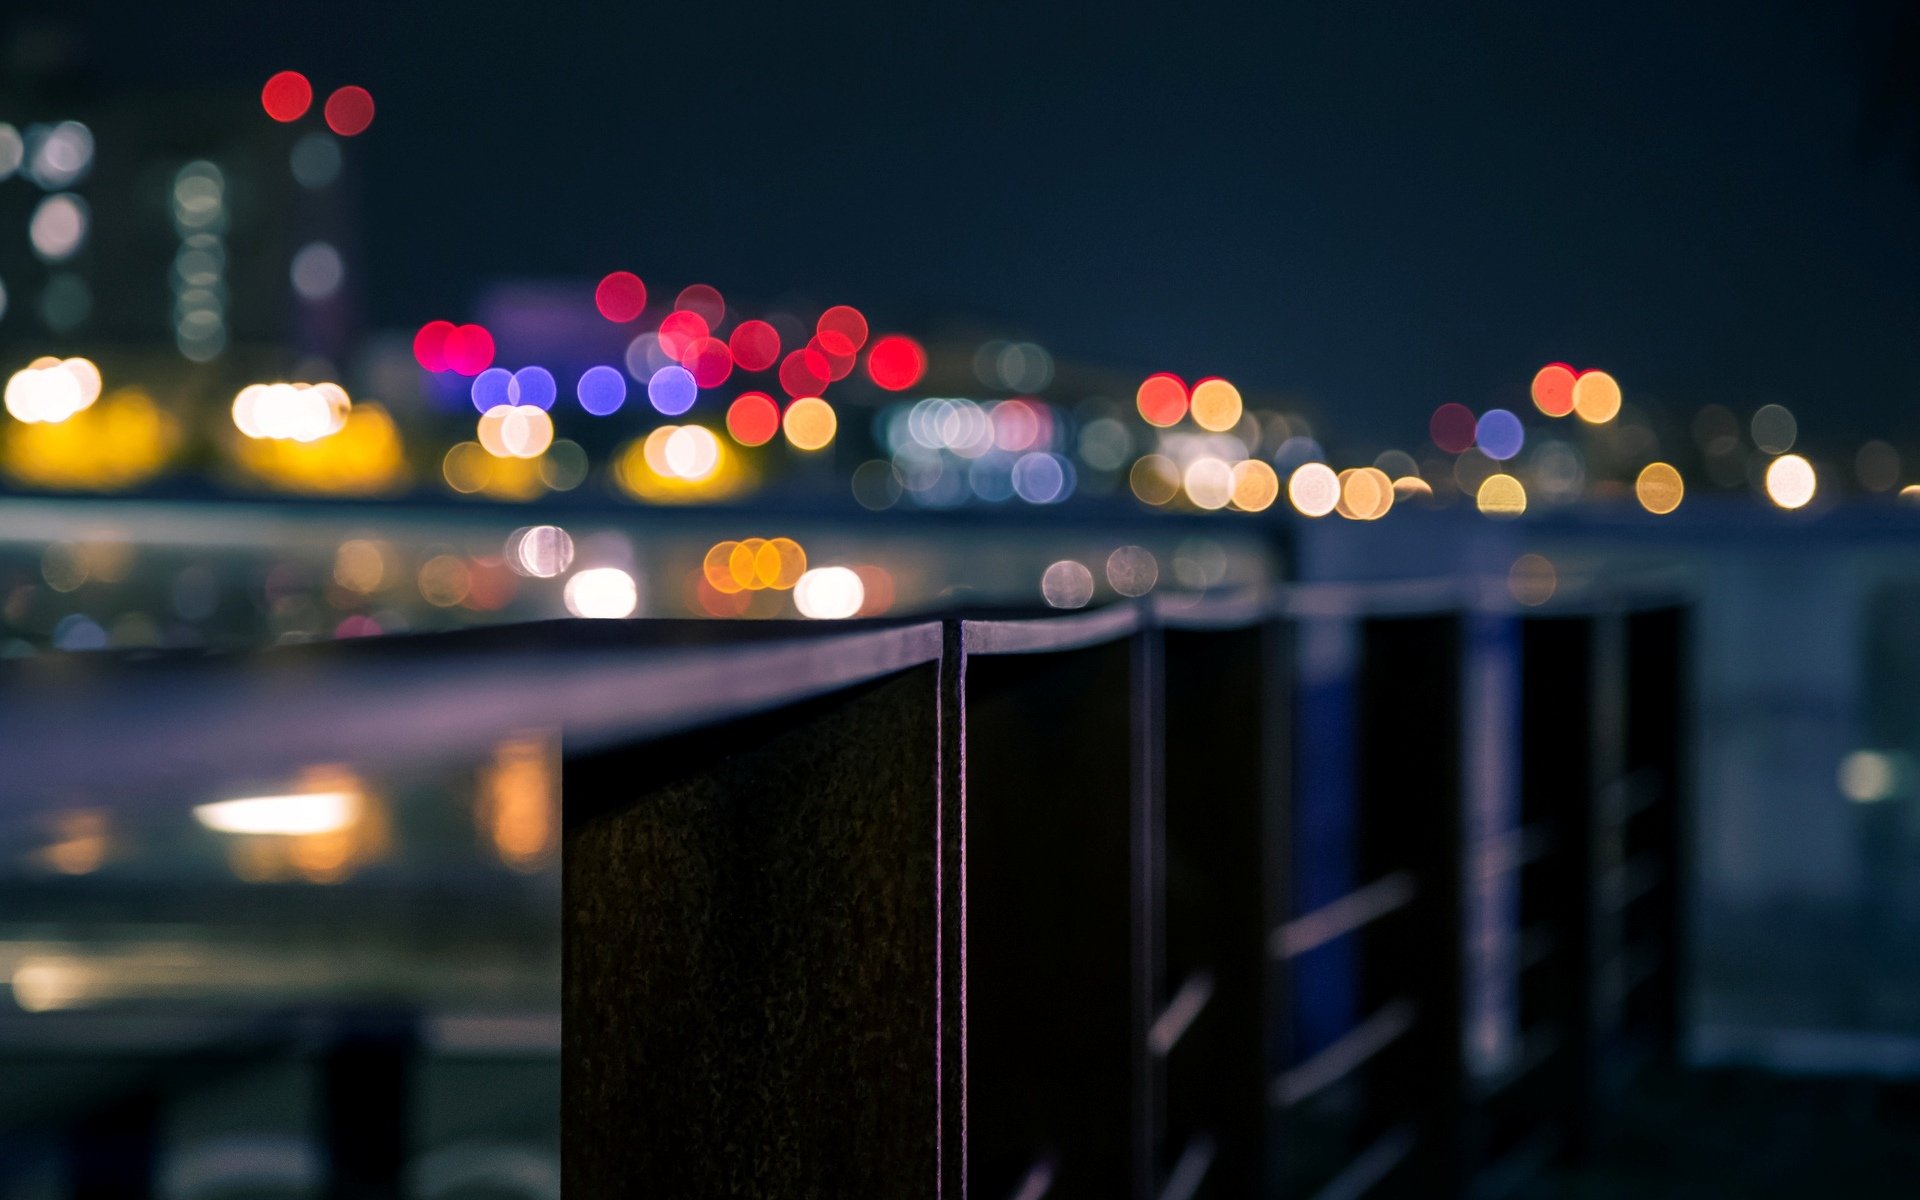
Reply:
x=1377, y=205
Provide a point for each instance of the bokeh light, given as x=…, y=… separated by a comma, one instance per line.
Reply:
x=692, y=452
x=601, y=390
x=1596, y=397
x=842, y=330
x=467, y=349
x=349, y=111
x=1501, y=496
x=709, y=360
x=1162, y=399
x=1499, y=435
x=829, y=594
x=540, y=551
x=1659, y=488
x=533, y=385
x=51, y=390
x=1314, y=490
x=809, y=423
x=896, y=362
x=1132, y=570
x=1216, y=405
x=1877, y=466
x=1208, y=483
x=1452, y=428
x=672, y=390
x=753, y=418
x=430, y=345
x=621, y=297
x=1790, y=481
x=1774, y=429
x=805, y=373
x=1066, y=584
x=58, y=227
x=1366, y=494
x=515, y=431
x=1553, y=389
x=491, y=388
x=1255, y=485
x=1532, y=580
x=679, y=330
x=755, y=345
x=1154, y=479
x=287, y=96
x=605, y=593
x=704, y=301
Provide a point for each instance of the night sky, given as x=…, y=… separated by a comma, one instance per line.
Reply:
x=1374, y=206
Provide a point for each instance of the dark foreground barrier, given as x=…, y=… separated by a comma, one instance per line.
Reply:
x=1346, y=894
x=1042, y=908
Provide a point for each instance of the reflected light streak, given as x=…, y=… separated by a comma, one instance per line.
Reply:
x=294, y=814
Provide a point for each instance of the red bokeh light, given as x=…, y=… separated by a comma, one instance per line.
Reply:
x=349, y=110
x=621, y=297
x=1452, y=428
x=753, y=418
x=842, y=331
x=468, y=349
x=839, y=366
x=704, y=300
x=755, y=345
x=805, y=373
x=1553, y=389
x=896, y=362
x=1162, y=399
x=430, y=345
x=679, y=331
x=709, y=360
x=287, y=96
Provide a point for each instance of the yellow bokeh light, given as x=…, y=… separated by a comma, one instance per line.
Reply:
x=1411, y=487
x=1313, y=489
x=1216, y=405
x=780, y=564
x=1154, y=479
x=644, y=472
x=1366, y=494
x=360, y=565
x=1659, y=488
x=364, y=456
x=1791, y=481
x=121, y=442
x=809, y=423
x=1502, y=496
x=1911, y=493
x=1255, y=486
x=467, y=467
x=518, y=805
x=744, y=562
x=718, y=570
x=1596, y=397
x=445, y=580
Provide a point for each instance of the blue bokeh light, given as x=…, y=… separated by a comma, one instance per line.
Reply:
x=1042, y=478
x=491, y=387
x=533, y=385
x=672, y=390
x=602, y=390
x=1499, y=434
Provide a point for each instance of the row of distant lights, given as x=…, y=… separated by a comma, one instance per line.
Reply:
x=54, y=158
x=297, y=412
x=200, y=261
x=51, y=390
